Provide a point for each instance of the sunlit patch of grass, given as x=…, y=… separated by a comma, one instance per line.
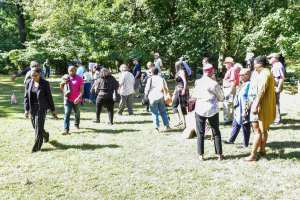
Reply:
x=130, y=161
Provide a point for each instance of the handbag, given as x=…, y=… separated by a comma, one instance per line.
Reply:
x=145, y=100
x=167, y=96
x=116, y=96
x=192, y=103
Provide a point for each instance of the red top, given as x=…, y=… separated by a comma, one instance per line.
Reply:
x=231, y=75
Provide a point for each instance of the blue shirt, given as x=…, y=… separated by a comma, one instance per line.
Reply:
x=136, y=69
x=188, y=69
x=24, y=72
x=80, y=71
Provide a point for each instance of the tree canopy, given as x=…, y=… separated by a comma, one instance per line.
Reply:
x=113, y=32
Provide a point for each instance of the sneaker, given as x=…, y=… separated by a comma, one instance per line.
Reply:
x=131, y=113
x=241, y=147
x=227, y=142
x=119, y=114
x=137, y=97
x=96, y=120
x=225, y=123
x=179, y=124
x=46, y=137
x=276, y=124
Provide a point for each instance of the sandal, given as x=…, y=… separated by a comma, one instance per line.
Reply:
x=179, y=124
x=249, y=158
x=261, y=154
x=222, y=158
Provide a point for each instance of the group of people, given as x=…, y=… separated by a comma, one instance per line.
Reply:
x=250, y=96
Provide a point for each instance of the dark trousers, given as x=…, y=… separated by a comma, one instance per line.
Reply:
x=38, y=121
x=101, y=101
x=175, y=104
x=236, y=129
x=200, y=126
x=278, y=116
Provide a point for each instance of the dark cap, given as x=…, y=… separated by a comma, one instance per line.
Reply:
x=182, y=58
x=135, y=59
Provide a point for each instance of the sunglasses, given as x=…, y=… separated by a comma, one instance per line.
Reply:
x=34, y=76
x=243, y=74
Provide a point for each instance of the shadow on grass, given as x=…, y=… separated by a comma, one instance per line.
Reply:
x=59, y=145
x=134, y=122
x=287, y=127
x=111, y=131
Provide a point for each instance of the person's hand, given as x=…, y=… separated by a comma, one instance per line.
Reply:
x=54, y=113
x=26, y=114
x=13, y=78
x=77, y=100
x=278, y=90
x=255, y=111
x=91, y=91
x=183, y=92
x=64, y=81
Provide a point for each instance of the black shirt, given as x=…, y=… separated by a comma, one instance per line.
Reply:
x=33, y=95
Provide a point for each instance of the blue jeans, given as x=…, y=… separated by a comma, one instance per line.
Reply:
x=47, y=73
x=68, y=108
x=94, y=96
x=159, y=105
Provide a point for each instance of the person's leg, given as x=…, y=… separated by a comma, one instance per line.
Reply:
x=93, y=96
x=68, y=109
x=235, y=131
x=263, y=143
x=226, y=111
x=278, y=116
x=246, y=132
x=122, y=104
x=39, y=127
x=110, y=108
x=48, y=73
x=136, y=87
x=175, y=103
x=184, y=113
x=129, y=104
x=154, y=111
x=231, y=105
x=200, y=127
x=76, y=114
x=162, y=111
x=256, y=142
x=214, y=123
x=99, y=104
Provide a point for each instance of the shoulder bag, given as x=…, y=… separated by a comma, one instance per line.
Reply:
x=116, y=96
x=145, y=100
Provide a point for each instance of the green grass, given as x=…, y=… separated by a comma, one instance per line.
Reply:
x=130, y=161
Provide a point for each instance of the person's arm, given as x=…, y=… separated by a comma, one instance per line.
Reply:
x=18, y=75
x=137, y=74
x=77, y=100
x=91, y=90
x=182, y=75
x=50, y=99
x=281, y=80
x=219, y=93
x=62, y=84
x=262, y=85
x=26, y=100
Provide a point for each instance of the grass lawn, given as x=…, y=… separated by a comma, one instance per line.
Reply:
x=130, y=161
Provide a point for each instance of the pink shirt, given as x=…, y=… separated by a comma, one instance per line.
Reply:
x=75, y=83
x=231, y=75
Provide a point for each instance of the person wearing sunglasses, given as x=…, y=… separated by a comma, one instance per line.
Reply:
x=241, y=113
x=264, y=106
x=37, y=100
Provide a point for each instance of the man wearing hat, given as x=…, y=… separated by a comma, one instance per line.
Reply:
x=230, y=81
x=158, y=63
x=80, y=69
x=137, y=76
x=278, y=73
x=188, y=69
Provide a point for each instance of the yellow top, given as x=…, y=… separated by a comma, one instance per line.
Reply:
x=266, y=91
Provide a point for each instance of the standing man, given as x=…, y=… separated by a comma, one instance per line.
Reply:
x=278, y=73
x=137, y=76
x=80, y=69
x=158, y=63
x=188, y=69
x=77, y=89
x=206, y=61
x=47, y=68
x=230, y=81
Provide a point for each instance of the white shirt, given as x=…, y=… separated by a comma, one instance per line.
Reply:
x=158, y=63
x=127, y=79
x=156, y=90
x=87, y=77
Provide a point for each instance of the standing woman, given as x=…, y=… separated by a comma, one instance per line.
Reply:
x=37, y=100
x=105, y=84
x=126, y=81
x=181, y=94
x=154, y=91
x=87, y=76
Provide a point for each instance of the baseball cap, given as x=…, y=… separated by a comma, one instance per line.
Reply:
x=273, y=55
x=78, y=61
x=135, y=59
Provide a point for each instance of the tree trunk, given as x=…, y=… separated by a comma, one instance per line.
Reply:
x=21, y=24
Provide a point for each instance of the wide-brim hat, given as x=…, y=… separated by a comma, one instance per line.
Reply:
x=228, y=60
x=273, y=55
x=248, y=56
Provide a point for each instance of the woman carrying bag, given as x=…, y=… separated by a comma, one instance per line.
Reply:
x=37, y=100
x=155, y=92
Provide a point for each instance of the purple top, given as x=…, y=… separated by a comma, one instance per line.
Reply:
x=277, y=71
